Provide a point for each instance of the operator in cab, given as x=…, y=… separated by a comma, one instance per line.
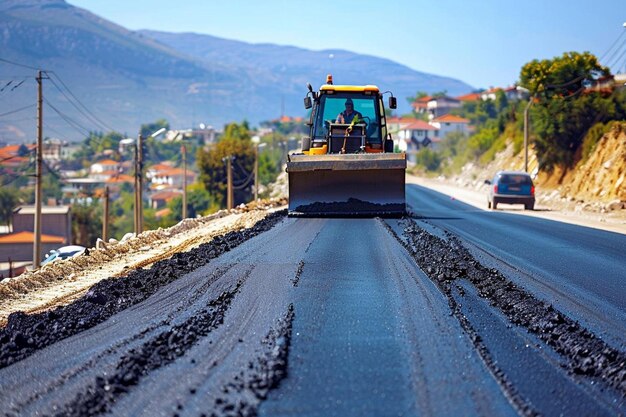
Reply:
x=349, y=113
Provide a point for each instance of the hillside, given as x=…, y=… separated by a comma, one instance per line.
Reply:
x=127, y=78
x=291, y=67
x=602, y=177
x=595, y=185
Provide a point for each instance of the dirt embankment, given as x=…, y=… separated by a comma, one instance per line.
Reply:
x=602, y=177
x=62, y=282
x=595, y=185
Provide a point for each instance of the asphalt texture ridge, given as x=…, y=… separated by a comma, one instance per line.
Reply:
x=242, y=395
x=98, y=397
x=445, y=260
x=25, y=334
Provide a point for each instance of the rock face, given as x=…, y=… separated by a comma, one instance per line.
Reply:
x=603, y=176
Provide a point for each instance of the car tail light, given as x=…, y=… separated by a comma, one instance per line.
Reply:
x=495, y=189
x=532, y=190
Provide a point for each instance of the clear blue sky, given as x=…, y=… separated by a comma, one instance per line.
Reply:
x=482, y=42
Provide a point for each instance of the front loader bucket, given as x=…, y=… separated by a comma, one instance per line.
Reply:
x=359, y=185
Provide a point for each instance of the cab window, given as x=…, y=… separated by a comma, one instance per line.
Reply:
x=331, y=106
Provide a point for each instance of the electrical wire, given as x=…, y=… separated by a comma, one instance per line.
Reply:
x=17, y=156
x=610, y=61
x=613, y=45
x=19, y=175
x=93, y=116
x=6, y=85
x=18, y=84
x=17, y=110
x=18, y=64
x=71, y=122
x=91, y=119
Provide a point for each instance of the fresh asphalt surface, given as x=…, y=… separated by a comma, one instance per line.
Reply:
x=372, y=334
x=579, y=269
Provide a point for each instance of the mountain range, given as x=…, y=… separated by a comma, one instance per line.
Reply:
x=102, y=76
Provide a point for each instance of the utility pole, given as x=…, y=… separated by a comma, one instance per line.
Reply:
x=105, y=220
x=526, y=127
x=136, y=188
x=256, y=172
x=38, y=174
x=230, y=197
x=183, y=149
x=140, y=184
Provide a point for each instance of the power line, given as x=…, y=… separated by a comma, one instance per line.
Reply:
x=77, y=100
x=610, y=61
x=91, y=120
x=18, y=64
x=17, y=110
x=17, y=156
x=74, y=124
x=19, y=84
x=613, y=45
x=6, y=85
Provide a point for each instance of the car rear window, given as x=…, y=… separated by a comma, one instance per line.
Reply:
x=513, y=179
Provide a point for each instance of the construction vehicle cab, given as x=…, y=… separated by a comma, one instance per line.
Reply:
x=347, y=166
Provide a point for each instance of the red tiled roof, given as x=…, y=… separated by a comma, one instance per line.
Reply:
x=469, y=97
x=174, y=172
x=165, y=195
x=450, y=118
x=107, y=162
x=120, y=178
x=29, y=237
x=160, y=166
x=162, y=213
x=12, y=150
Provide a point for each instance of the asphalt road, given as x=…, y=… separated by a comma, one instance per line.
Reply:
x=324, y=317
x=579, y=269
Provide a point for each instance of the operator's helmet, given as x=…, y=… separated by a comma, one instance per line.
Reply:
x=349, y=101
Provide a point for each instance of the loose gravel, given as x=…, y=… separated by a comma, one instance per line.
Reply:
x=164, y=349
x=25, y=334
x=243, y=395
x=446, y=260
x=351, y=208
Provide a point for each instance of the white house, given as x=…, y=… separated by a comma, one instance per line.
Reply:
x=438, y=106
x=449, y=123
x=104, y=166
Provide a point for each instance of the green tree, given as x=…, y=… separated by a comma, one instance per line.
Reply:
x=428, y=159
x=417, y=96
x=564, y=109
x=86, y=223
x=9, y=199
x=235, y=142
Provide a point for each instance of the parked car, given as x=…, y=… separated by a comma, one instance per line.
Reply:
x=63, y=253
x=511, y=187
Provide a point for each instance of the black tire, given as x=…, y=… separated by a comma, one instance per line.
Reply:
x=530, y=206
x=494, y=205
x=306, y=143
x=488, y=204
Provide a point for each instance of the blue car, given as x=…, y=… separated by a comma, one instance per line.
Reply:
x=511, y=187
